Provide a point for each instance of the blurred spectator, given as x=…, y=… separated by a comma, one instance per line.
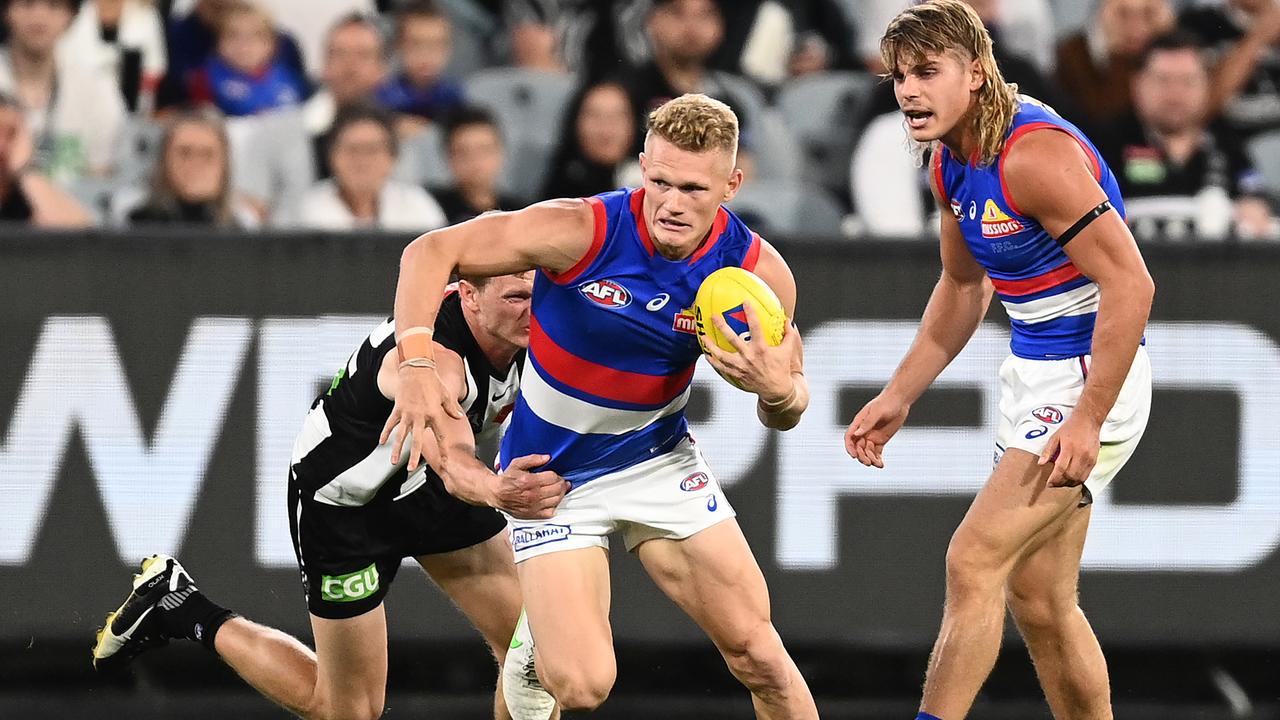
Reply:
x=1244, y=37
x=1178, y=175
x=592, y=38
x=309, y=22
x=771, y=40
x=191, y=40
x=361, y=193
x=26, y=196
x=354, y=66
x=247, y=75
x=75, y=114
x=420, y=92
x=120, y=39
x=1024, y=29
x=191, y=180
x=684, y=34
x=596, y=144
x=474, y=146
x=1096, y=66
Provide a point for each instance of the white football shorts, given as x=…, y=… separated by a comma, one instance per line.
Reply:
x=673, y=495
x=1037, y=395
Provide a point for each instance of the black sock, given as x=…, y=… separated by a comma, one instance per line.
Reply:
x=196, y=617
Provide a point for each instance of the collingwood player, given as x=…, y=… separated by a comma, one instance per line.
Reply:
x=354, y=515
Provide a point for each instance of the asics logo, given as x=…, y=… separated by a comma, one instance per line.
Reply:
x=658, y=302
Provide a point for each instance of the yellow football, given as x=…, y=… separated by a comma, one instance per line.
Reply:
x=726, y=292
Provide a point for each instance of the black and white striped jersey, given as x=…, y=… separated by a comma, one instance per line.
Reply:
x=337, y=457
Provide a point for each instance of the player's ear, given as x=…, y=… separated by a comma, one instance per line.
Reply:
x=470, y=295
x=735, y=184
x=977, y=76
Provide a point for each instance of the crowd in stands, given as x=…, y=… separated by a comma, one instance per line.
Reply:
x=406, y=115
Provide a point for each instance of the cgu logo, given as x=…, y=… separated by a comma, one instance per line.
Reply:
x=350, y=587
x=694, y=482
x=606, y=292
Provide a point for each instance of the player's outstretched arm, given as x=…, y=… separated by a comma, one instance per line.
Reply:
x=958, y=303
x=520, y=491
x=552, y=235
x=1052, y=180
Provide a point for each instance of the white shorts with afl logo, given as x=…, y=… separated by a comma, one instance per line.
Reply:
x=1037, y=395
x=673, y=495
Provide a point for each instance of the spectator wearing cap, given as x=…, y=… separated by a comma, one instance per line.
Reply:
x=26, y=196
x=1179, y=175
x=420, y=92
x=473, y=145
x=361, y=193
x=1243, y=38
x=596, y=143
x=75, y=115
x=247, y=74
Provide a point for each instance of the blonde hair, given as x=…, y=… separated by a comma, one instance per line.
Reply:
x=696, y=123
x=937, y=26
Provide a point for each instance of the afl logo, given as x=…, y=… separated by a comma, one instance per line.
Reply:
x=606, y=292
x=1047, y=414
x=694, y=482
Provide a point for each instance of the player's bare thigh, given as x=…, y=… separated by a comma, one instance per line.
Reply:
x=566, y=595
x=481, y=580
x=1009, y=511
x=351, y=656
x=714, y=577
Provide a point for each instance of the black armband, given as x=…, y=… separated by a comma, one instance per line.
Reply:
x=1083, y=223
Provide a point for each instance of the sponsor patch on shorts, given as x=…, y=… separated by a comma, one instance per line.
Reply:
x=1047, y=414
x=694, y=482
x=523, y=538
x=350, y=587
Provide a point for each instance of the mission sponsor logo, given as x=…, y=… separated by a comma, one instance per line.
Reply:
x=996, y=224
x=606, y=292
x=523, y=538
x=685, y=321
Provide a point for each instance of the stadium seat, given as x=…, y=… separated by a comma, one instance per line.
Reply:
x=139, y=150
x=793, y=209
x=422, y=159
x=771, y=143
x=528, y=106
x=1265, y=151
x=888, y=190
x=820, y=109
x=271, y=157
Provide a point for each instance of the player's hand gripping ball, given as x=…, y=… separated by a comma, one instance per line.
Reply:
x=726, y=292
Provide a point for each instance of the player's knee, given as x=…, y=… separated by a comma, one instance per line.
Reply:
x=1038, y=609
x=757, y=658
x=972, y=569
x=354, y=706
x=581, y=689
